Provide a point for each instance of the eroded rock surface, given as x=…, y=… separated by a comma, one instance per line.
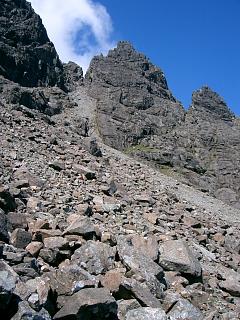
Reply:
x=137, y=114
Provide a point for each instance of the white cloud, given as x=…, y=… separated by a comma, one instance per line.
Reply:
x=79, y=29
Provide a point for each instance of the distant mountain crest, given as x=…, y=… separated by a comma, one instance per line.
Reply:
x=207, y=99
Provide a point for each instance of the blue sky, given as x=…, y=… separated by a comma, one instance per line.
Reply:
x=195, y=42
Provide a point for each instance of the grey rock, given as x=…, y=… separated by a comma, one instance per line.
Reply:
x=110, y=189
x=126, y=305
x=230, y=280
x=89, y=174
x=184, y=310
x=57, y=165
x=8, y=280
x=136, y=113
x=141, y=264
x=25, y=312
x=56, y=243
x=131, y=288
x=146, y=314
x=175, y=255
x=73, y=76
x=28, y=269
x=95, y=257
x=69, y=279
x=17, y=220
x=7, y=201
x=232, y=243
x=20, y=238
x=4, y=236
x=94, y=148
x=54, y=256
x=82, y=226
x=89, y=304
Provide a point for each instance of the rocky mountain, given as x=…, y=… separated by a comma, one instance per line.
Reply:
x=88, y=231
x=27, y=55
x=137, y=114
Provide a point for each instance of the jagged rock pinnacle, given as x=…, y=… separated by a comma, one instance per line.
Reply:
x=208, y=100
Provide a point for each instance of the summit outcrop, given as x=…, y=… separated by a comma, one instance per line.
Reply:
x=137, y=114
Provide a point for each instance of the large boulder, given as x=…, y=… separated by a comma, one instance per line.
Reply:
x=96, y=257
x=141, y=264
x=175, y=255
x=184, y=310
x=93, y=303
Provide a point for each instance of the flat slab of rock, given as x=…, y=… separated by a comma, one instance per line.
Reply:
x=82, y=226
x=175, y=255
x=184, y=310
x=126, y=305
x=146, y=314
x=112, y=279
x=56, y=243
x=141, y=264
x=141, y=292
x=92, y=303
x=230, y=280
x=34, y=248
x=147, y=245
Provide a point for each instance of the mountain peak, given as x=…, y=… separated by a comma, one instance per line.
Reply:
x=205, y=99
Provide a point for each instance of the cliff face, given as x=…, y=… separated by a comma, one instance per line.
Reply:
x=137, y=113
x=31, y=73
x=26, y=54
x=129, y=90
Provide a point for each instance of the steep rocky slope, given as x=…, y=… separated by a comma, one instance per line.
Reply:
x=87, y=232
x=74, y=223
x=136, y=113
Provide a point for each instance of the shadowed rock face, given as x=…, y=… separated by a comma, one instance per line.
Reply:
x=26, y=54
x=138, y=114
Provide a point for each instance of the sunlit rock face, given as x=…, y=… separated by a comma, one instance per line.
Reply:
x=134, y=99
x=137, y=113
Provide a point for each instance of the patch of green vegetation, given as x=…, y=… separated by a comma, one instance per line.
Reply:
x=166, y=170
x=175, y=172
x=140, y=147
